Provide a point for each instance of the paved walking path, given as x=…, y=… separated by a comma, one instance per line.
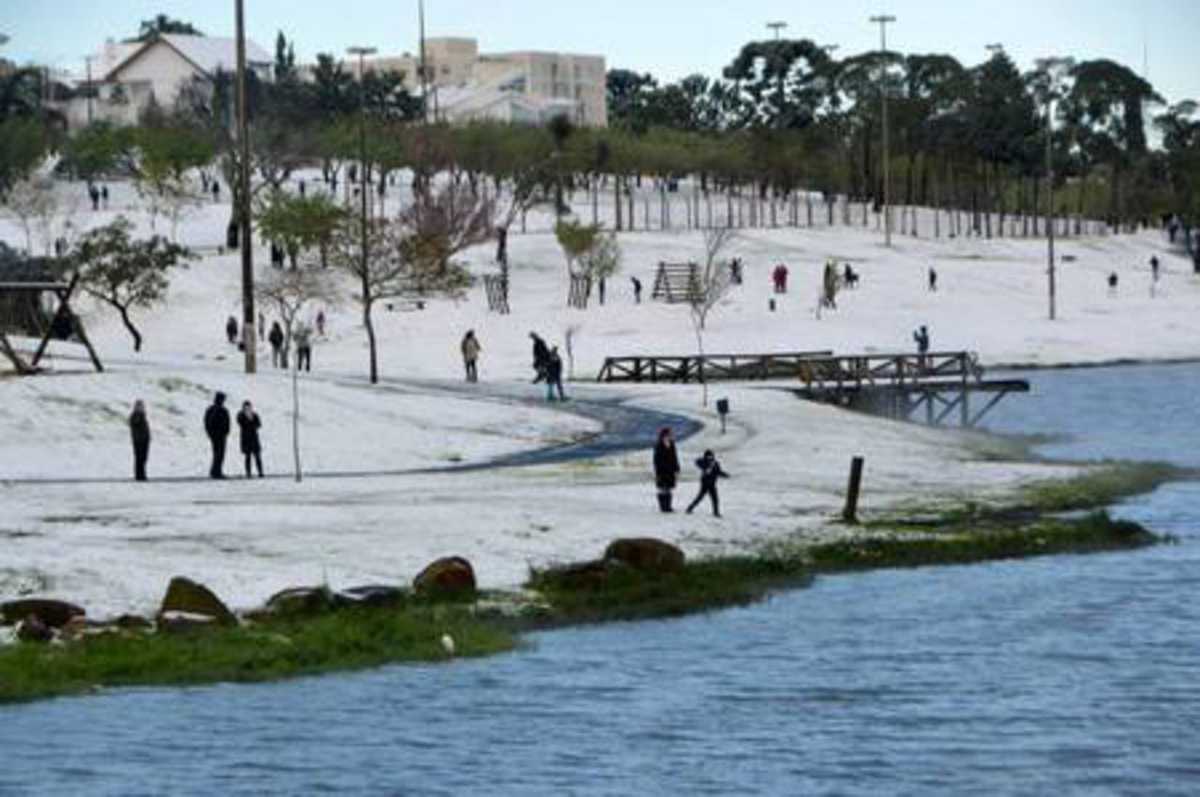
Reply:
x=624, y=428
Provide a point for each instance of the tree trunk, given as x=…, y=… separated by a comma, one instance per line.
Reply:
x=137, y=336
x=367, y=322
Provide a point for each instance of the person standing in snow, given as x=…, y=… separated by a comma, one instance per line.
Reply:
x=139, y=430
x=554, y=367
x=637, y=290
x=278, y=358
x=231, y=330
x=710, y=471
x=248, y=425
x=216, y=426
x=932, y=280
x=666, y=468
x=921, y=338
x=303, y=348
x=541, y=355
x=470, y=354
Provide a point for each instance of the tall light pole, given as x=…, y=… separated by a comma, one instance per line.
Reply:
x=424, y=64
x=776, y=26
x=90, y=88
x=1050, y=66
x=882, y=20
x=362, y=52
x=249, y=338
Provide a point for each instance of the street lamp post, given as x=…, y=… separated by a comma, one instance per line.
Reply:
x=362, y=52
x=424, y=66
x=1050, y=66
x=882, y=20
x=249, y=338
x=777, y=26
x=90, y=88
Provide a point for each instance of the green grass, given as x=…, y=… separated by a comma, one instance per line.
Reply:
x=1097, y=487
x=1091, y=533
x=628, y=594
x=345, y=640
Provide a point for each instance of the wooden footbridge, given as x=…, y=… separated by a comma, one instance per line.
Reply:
x=934, y=387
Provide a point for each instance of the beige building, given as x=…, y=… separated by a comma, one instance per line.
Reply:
x=527, y=86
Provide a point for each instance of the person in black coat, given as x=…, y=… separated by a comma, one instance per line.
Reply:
x=666, y=468
x=139, y=430
x=541, y=356
x=554, y=368
x=278, y=355
x=216, y=426
x=248, y=425
x=710, y=471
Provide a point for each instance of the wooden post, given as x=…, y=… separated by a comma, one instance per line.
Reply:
x=850, y=513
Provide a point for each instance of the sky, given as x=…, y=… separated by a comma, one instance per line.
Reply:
x=668, y=38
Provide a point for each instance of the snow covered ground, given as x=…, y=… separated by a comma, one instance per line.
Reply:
x=92, y=537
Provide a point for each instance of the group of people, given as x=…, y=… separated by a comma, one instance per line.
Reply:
x=303, y=339
x=217, y=426
x=98, y=194
x=666, y=474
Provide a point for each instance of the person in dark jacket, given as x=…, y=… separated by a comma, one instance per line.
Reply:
x=710, y=471
x=278, y=355
x=666, y=468
x=216, y=426
x=231, y=329
x=248, y=425
x=139, y=430
x=554, y=367
x=541, y=356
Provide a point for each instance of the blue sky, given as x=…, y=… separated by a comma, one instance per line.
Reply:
x=669, y=38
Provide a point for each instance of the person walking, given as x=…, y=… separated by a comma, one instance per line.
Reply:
x=470, y=354
x=932, y=280
x=139, y=430
x=541, y=355
x=104, y=196
x=554, y=368
x=637, y=290
x=216, y=426
x=666, y=468
x=278, y=358
x=231, y=330
x=303, y=348
x=321, y=323
x=710, y=471
x=248, y=425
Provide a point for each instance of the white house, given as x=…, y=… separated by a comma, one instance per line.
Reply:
x=128, y=76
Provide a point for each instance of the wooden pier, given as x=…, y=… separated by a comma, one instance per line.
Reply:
x=934, y=388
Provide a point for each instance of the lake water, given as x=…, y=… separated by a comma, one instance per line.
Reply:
x=1059, y=676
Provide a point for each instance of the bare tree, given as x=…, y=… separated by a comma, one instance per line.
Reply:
x=412, y=255
x=291, y=292
x=709, y=286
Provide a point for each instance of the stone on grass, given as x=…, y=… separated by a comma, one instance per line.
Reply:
x=448, y=578
x=647, y=554
x=175, y=622
x=32, y=629
x=372, y=595
x=190, y=597
x=52, y=613
x=300, y=602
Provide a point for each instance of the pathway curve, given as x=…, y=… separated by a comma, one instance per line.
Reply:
x=624, y=428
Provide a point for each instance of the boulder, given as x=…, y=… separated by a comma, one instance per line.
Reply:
x=300, y=602
x=184, y=622
x=373, y=595
x=189, y=597
x=451, y=577
x=132, y=622
x=32, y=629
x=646, y=554
x=52, y=613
